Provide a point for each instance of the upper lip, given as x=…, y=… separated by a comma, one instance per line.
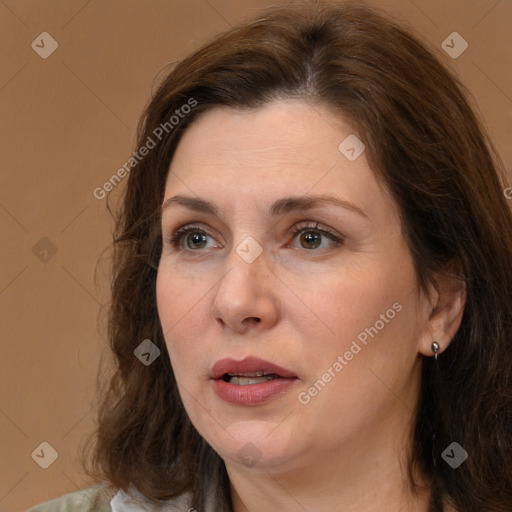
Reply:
x=247, y=365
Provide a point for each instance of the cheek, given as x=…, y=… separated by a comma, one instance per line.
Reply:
x=177, y=295
x=175, y=298
x=377, y=358
x=352, y=302
x=368, y=314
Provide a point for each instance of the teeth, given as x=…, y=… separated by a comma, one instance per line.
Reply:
x=244, y=381
x=247, y=374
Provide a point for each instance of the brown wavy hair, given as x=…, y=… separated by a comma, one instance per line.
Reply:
x=427, y=147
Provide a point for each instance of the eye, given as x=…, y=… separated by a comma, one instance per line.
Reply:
x=196, y=238
x=312, y=235
x=196, y=241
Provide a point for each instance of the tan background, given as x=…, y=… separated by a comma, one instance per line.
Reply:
x=68, y=124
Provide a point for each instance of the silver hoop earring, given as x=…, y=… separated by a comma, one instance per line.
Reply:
x=435, y=348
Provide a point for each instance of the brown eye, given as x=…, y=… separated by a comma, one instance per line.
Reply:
x=311, y=236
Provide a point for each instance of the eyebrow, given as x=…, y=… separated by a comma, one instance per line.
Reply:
x=279, y=207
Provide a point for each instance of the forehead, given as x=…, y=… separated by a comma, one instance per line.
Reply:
x=287, y=147
x=281, y=133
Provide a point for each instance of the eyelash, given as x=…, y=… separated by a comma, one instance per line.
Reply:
x=177, y=236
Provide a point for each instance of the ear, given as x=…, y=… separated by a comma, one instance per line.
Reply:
x=446, y=308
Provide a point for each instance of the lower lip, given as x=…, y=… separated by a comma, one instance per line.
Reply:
x=251, y=394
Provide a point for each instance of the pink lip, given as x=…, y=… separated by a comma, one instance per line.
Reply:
x=251, y=394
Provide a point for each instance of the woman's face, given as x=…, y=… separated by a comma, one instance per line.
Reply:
x=331, y=310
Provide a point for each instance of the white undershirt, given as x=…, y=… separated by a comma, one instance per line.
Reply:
x=123, y=502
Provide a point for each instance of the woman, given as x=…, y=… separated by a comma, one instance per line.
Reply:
x=311, y=296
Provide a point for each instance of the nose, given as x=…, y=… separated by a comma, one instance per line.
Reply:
x=247, y=295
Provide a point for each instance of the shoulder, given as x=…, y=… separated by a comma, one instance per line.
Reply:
x=93, y=499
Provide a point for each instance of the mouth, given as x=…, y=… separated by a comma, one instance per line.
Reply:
x=251, y=381
x=250, y=370
x=246, y=379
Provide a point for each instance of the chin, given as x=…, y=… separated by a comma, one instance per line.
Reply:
x=252, y=443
